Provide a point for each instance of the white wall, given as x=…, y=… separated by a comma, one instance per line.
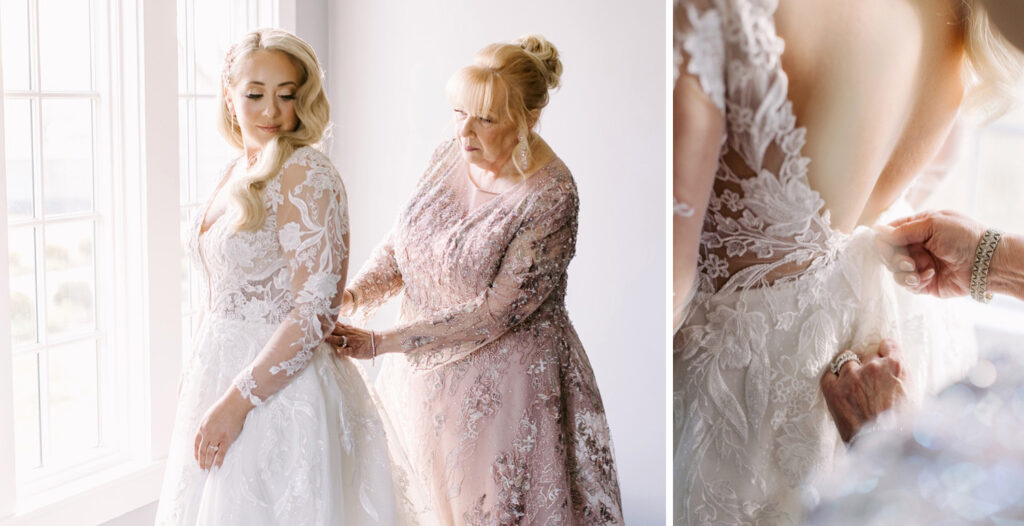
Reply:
x=387, y=67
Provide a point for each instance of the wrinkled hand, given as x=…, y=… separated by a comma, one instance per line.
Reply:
x=931, y=252
x=354, y=342
x=219, y=428
x=863, y=391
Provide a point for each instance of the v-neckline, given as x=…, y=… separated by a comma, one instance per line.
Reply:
x=203, y=227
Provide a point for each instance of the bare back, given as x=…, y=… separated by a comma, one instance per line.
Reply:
x=876, y=84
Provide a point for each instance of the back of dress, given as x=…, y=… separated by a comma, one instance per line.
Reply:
x=773, y=213
x=782, y=284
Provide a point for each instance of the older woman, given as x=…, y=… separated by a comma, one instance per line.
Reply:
x=493, y=398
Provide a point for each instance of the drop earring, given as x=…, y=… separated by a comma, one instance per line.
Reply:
x=522, y=146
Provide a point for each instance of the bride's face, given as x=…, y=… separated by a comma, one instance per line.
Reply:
x=263, y=97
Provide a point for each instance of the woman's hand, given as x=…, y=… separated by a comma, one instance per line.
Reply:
x=220, y=427
x=931, y=252
x=348, y=303
x=358, y=343
x=862, y=391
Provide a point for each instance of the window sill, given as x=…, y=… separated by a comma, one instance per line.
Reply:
x=94, y=499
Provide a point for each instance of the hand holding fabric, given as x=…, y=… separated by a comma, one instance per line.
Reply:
x=862, y=391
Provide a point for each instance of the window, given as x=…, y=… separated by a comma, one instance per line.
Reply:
x=96, y=129
x=203, y=41
x=57, y=115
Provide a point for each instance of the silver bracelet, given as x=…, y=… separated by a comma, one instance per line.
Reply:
x=373, y=349
x=982, y=262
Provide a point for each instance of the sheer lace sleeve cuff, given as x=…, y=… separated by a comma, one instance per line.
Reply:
x=246, y=384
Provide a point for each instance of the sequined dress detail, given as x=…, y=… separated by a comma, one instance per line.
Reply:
x=493, y=398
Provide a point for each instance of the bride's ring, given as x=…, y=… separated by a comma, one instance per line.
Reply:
x=214, y=448
x=344, y=341
x=840, y=361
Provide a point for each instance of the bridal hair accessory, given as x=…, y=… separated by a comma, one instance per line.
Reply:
x=840, y=361
x=373, y=349
x=982, y=262
x=523, y=163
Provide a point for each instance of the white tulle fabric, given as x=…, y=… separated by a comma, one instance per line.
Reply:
x=313, y=451
x=779, y=293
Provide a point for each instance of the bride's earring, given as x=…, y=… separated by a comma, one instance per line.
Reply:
x=522, y=148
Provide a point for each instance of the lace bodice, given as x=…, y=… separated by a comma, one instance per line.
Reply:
x=764, y=223
x=289, y=273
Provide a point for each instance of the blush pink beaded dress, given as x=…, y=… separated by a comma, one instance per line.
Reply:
x=493, y=398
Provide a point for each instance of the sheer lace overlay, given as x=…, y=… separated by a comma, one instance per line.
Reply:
x=313, y=451
x=779, y=292
x=494, y=398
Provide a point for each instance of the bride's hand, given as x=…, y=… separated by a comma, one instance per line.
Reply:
x=219, y=428
x=357, y=343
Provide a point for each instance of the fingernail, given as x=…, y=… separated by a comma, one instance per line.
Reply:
x=928, y=274
x=907, y=266
x=912, y=280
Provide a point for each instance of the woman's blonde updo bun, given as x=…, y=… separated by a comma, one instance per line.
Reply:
x=311, y=109
x=510, y=80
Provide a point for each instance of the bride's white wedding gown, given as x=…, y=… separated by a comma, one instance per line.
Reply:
x=313, y=450
x=779, y=293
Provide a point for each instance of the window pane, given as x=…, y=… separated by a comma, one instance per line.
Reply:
x=67, y=155
x=212, y=38
x=1000, y=183
x=213, y=152
x=70, y=278
x=26, y=412
x=22, y=261
x=14, y=30
x=18, y=127
x=72, y=390
x=65, y=45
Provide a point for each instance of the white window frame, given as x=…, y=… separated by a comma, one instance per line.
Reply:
x=142, y=253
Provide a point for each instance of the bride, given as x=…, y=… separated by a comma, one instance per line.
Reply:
x=794, y=124
x=271, y=429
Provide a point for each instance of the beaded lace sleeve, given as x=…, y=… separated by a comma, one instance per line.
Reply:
x=312, y=227
x=380, y=278
x=533, y=265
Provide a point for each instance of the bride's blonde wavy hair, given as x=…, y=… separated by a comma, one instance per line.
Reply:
x=311, y=109
x=994, y=66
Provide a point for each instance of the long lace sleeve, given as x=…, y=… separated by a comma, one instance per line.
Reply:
x=312, y=228
x=532, y=267
x=378, y=281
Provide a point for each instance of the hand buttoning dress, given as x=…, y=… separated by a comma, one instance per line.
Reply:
x=493, y=399
x=312, y=451
x=779, y=293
